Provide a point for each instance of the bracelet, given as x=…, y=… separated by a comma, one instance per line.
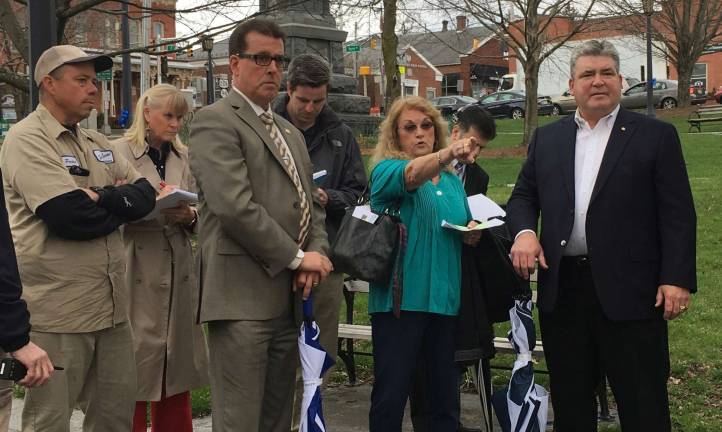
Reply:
x=438, y=157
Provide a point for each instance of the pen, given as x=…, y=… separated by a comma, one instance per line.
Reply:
x=162, y=184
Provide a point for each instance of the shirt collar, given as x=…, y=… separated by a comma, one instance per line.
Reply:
x=609, y=118
x=55, y=128
x=139, y=152
x=51, y=123
x=257, y=109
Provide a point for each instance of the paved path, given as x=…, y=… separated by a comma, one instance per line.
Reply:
x=346, y=410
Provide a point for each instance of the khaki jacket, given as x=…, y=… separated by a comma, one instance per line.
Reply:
x=163, y=294
x=249, y=212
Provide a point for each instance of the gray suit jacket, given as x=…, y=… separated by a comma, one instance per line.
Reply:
x=249, y=212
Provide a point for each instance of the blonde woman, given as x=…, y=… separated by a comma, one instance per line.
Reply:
x=170, y=350
x=411, y=173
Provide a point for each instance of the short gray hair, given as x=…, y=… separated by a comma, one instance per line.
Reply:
x=309, y=70
x=594, y=48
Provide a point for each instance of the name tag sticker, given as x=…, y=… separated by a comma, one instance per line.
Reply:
x=105, y=156
x=365, y=214
x=69, y=161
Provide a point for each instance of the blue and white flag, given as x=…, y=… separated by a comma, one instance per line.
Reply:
x=522, y=406
x=314, y=364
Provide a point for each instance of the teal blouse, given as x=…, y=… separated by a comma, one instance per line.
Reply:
x=432, y=264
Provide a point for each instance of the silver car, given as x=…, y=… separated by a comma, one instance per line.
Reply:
x=664, y=95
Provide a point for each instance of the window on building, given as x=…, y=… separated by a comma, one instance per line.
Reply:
x=699, y=77
x=111, y=33
x=134, y=32
x=430, y=93
x=449, y=84
x=158, y=30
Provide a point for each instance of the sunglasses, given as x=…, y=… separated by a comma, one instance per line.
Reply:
x=265, y=59
x=411, y=127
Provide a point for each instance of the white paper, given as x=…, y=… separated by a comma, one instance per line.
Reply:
x=484, y=225
x=172, y=200
x=318, y=175
x=482, y=208
x=365, y=214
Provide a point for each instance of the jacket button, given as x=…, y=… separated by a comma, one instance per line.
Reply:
x=563, y=243
x=296, y=205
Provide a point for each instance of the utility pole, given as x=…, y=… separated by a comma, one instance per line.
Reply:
x=126, y=78
x=650, y=103
x=43, y=35
x=145, y=58
x=355, y=54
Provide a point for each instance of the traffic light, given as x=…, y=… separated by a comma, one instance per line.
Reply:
x=164, y=66
x=190, y=52
x=373, y=43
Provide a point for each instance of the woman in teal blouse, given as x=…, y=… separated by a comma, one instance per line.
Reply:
x=411, y=174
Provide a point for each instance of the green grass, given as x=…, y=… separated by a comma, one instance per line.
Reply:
x=695, y=339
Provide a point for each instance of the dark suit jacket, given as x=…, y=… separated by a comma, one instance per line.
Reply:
x=641, y=222
x=14, y=316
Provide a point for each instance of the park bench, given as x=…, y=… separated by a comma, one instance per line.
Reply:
x=349, y=332
x=704, y=114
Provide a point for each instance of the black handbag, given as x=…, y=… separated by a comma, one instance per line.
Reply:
x=366, y=250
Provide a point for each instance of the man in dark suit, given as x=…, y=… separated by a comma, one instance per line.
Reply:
x=261, y=237
x=617, y=250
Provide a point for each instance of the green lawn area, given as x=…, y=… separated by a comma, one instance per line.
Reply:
x=695, y=339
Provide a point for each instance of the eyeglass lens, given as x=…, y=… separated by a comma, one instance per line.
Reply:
x=411, y=127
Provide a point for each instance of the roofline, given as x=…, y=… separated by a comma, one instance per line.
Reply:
x=436, y=71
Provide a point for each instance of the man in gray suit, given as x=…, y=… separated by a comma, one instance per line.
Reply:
x=261, y=237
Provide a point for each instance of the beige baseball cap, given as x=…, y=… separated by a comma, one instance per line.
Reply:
x=60, y=55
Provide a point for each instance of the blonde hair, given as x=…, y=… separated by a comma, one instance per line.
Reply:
x=389, y=147
x=158, y=96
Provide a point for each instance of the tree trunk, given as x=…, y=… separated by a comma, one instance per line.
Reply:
x=683, y=80
x=531, y=105
x=389, y=46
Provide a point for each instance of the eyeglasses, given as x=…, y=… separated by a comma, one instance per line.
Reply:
x=411, y=127
x=265, y=59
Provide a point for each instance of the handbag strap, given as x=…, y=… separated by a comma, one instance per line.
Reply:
x=397, y=279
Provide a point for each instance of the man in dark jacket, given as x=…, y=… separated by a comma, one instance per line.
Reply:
x=15, y=322
x=338, y=170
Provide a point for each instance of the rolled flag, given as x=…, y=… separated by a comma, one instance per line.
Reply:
x=522, y=406
x=314, y=364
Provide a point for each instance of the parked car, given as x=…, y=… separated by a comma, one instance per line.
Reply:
x=450, y=104
x=511, y=104
x=564, y=103
x=664, y=95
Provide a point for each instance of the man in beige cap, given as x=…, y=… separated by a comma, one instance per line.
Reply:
x=67, y=193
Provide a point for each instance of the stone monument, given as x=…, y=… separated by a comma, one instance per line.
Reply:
x=311, y=29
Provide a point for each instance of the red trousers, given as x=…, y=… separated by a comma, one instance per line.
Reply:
x=171, y=414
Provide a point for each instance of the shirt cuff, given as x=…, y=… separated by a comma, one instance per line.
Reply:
x=522, y=232
x=296, y=261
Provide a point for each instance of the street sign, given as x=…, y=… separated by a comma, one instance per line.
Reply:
x=170, y=47
x=402, y=70
x=105, y=75
x=364, y=70
x=353, y=48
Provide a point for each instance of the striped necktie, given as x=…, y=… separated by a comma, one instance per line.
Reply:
x=305, y=222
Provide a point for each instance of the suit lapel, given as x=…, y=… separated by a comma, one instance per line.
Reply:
x=246, y=113
x=622, y=131
x=568, y=141
x=174, y=168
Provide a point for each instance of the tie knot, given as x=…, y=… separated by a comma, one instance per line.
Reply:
x=266, y=118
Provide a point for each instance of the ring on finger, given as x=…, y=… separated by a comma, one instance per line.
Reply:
x=683, y=308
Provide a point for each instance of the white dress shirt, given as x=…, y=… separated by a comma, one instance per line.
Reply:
x=296, y=262
x=588, y=153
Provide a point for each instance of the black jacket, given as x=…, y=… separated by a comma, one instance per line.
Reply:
x=14, y=316
x=641, y=222
x=333, y=148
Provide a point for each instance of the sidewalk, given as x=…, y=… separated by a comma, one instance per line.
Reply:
x=346, y=410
